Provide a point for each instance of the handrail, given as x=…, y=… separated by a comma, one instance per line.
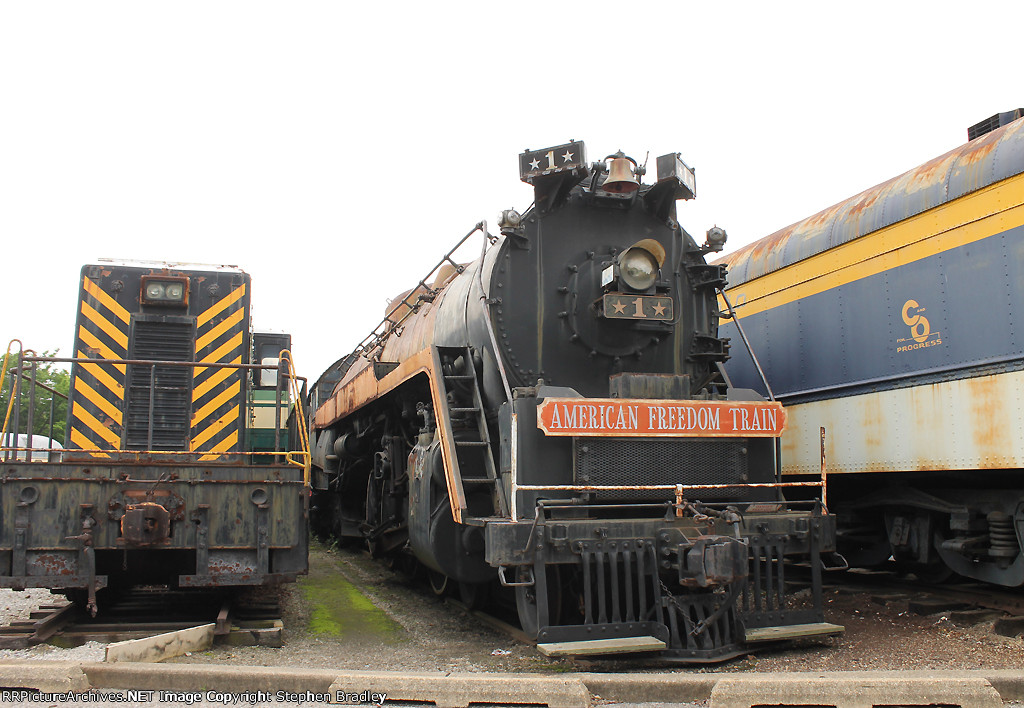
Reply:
x=3, y=380
x=413, y=300
x=299, y=458
x=677, y=488
x=300, y=418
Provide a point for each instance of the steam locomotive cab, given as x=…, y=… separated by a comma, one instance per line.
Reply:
x=554, y=416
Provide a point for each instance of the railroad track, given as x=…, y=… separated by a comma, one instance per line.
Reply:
x=973, y=594
x=145, y=612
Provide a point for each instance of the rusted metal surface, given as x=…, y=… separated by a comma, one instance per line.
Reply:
x=405, y=333
x=52, y=563
x=406, y=305
x=90, y=517
x=172, y=504
x=952, y=425
x=982, y=162
x=57, y=535
x=242, y=564
x=145, y=524
x=360, y=385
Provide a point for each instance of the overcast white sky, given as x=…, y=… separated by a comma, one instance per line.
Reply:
x=335, y=150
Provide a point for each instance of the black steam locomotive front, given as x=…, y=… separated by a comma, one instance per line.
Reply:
x=642, y=507
x=553, y=418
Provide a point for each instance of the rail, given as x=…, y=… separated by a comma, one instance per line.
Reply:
x=289, y=390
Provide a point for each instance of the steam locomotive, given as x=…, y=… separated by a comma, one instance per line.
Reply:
x=553, y=417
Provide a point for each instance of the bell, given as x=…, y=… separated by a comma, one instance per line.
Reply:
x=621, y=179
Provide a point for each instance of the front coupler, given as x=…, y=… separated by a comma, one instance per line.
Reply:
x=697, y=584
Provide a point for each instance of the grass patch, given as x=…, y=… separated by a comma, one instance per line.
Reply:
x=339, y=609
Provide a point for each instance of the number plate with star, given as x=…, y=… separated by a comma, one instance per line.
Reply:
x=562, y=158
x=638, y=307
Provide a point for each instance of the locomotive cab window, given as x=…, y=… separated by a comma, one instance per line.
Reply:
x=267, y=348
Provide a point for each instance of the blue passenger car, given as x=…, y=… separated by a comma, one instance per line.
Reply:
x=891, y=326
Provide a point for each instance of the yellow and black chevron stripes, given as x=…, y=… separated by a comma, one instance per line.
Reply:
x=97, y=407
x=217, y=411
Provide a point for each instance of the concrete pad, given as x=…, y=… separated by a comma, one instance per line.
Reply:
x=161, y=646
x=45, y=676
x=207, y=677
x=459, y=690
x=677, y=687
x=659, y=687
x=853, y=689
x=446, y=690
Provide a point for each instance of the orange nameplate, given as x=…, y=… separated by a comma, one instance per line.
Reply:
x=620, y=417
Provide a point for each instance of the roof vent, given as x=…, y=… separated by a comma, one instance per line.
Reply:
x=990, y=124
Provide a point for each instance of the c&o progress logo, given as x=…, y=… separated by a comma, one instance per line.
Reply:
x=921, y=335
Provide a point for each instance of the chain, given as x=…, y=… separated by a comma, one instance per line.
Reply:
x=703, y=625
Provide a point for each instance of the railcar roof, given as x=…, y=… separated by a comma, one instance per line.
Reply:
x=171, y=265
x=982, y=162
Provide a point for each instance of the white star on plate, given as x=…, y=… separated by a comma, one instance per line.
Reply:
x=535, y=165
x=567, y=157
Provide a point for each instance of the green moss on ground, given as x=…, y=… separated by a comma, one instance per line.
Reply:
x=339, y=609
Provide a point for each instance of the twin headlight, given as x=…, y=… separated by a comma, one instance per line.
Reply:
x=164, y=291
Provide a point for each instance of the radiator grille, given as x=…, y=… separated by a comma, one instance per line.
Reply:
x=171, y=391
x=639, y=461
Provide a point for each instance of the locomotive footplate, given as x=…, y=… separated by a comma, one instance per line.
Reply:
x=699, y=588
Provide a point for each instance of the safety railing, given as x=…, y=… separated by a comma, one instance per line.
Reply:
x=679, y=491
x=14, y=444
x=298, y=394
x=403, y=309
x=18, y=398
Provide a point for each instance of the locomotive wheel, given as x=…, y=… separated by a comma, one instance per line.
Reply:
x=526, y=601
x=438, y=582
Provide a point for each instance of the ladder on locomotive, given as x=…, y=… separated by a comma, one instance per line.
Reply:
x=465, y=421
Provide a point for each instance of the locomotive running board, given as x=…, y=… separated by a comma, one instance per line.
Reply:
x=621, y=645
x=791, y=631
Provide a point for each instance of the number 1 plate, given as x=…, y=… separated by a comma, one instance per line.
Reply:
x=624, y=306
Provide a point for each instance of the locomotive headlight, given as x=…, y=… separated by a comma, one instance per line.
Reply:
x=155, y=291
x=164, y=290
x=638, y=269
x=639, y=264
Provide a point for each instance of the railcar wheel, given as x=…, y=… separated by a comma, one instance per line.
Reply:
x=934, y=570
x=526, y=601
x=438, y=582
